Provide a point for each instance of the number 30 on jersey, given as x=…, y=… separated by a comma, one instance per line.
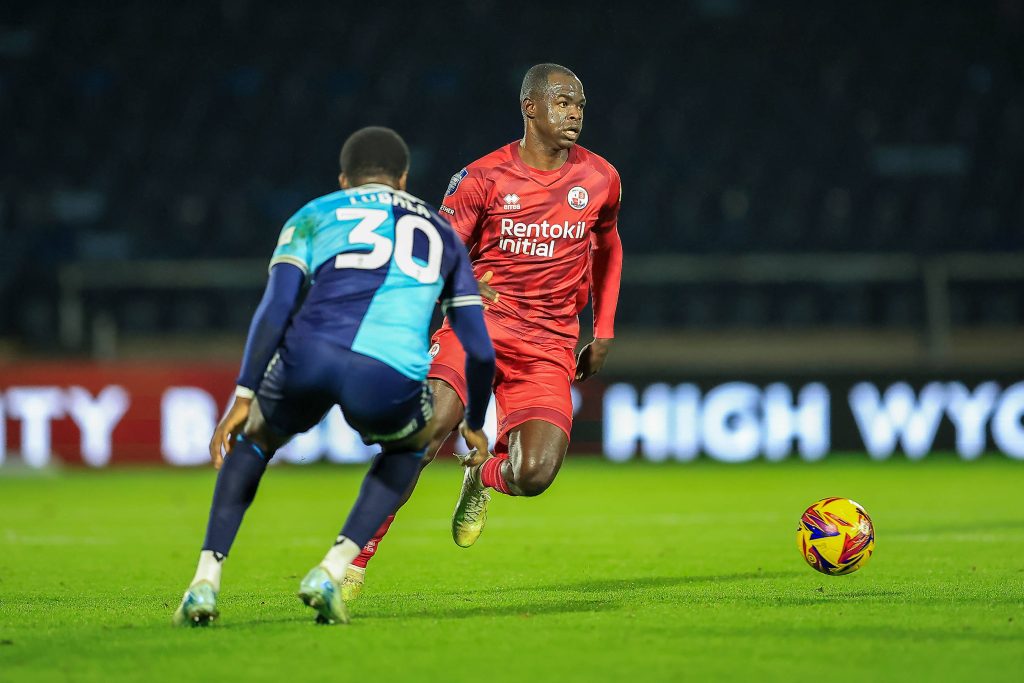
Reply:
x=383, y=248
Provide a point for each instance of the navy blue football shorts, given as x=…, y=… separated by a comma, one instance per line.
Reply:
x=306, y=378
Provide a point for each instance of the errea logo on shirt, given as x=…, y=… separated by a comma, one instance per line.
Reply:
x=512, y=202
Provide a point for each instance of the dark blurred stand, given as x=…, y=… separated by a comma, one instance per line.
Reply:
x=830, y=183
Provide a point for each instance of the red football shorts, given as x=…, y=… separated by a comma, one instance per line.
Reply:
x=531, y=379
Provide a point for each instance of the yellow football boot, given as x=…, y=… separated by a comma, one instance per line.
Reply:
x=471, y=511
x=352, y=584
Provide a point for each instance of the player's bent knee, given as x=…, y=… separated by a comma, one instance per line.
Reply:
x=262, y=438
x=534, y=482
x=259, y=432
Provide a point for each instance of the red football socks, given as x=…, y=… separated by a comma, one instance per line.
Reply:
x=490, y=474
x=370, y=549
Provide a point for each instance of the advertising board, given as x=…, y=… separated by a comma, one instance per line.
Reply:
x=109, y=414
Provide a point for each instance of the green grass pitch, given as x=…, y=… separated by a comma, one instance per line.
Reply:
x=634, y=572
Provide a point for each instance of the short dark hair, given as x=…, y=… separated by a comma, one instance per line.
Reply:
x=374, y=151
x=536, y=78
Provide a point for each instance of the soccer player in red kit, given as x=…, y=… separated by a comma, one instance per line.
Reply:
x=538, y=217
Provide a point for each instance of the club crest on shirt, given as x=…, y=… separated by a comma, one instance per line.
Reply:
x=453, y=184
x=578, y=198
x=434, y=350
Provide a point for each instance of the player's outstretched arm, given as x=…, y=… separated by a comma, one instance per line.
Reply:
x=468, y=323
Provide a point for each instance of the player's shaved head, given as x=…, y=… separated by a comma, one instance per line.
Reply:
x=374, y=153
x=538, y=79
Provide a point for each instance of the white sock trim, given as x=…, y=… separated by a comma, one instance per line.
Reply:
x=208, y=570
x=339, y=557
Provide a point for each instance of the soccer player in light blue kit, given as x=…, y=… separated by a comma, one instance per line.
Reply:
x=344, y=321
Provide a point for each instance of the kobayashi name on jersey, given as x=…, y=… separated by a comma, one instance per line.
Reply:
x=537, y=239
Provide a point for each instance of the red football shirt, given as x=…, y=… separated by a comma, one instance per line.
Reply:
x=535, y=230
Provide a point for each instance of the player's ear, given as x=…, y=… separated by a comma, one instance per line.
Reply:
x=529, y=108
x=343, y=181
x=403, y=181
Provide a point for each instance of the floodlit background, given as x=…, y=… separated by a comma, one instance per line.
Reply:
x=823, y=211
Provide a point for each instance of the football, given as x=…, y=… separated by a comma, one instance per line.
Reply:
x=836, y=536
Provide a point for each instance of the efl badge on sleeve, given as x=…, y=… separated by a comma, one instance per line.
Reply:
x=453, y=184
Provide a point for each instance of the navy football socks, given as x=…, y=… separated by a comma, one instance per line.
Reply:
x=237, y=482
x=385, y=484
x=383, y=487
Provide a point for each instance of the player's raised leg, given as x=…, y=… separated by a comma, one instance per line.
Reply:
x=536, y=450
x=534, y=406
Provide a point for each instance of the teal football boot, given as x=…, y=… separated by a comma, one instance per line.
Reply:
x=198, y=606
x=320, y=591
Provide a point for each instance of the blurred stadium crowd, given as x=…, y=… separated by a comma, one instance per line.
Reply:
x=194, y=130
